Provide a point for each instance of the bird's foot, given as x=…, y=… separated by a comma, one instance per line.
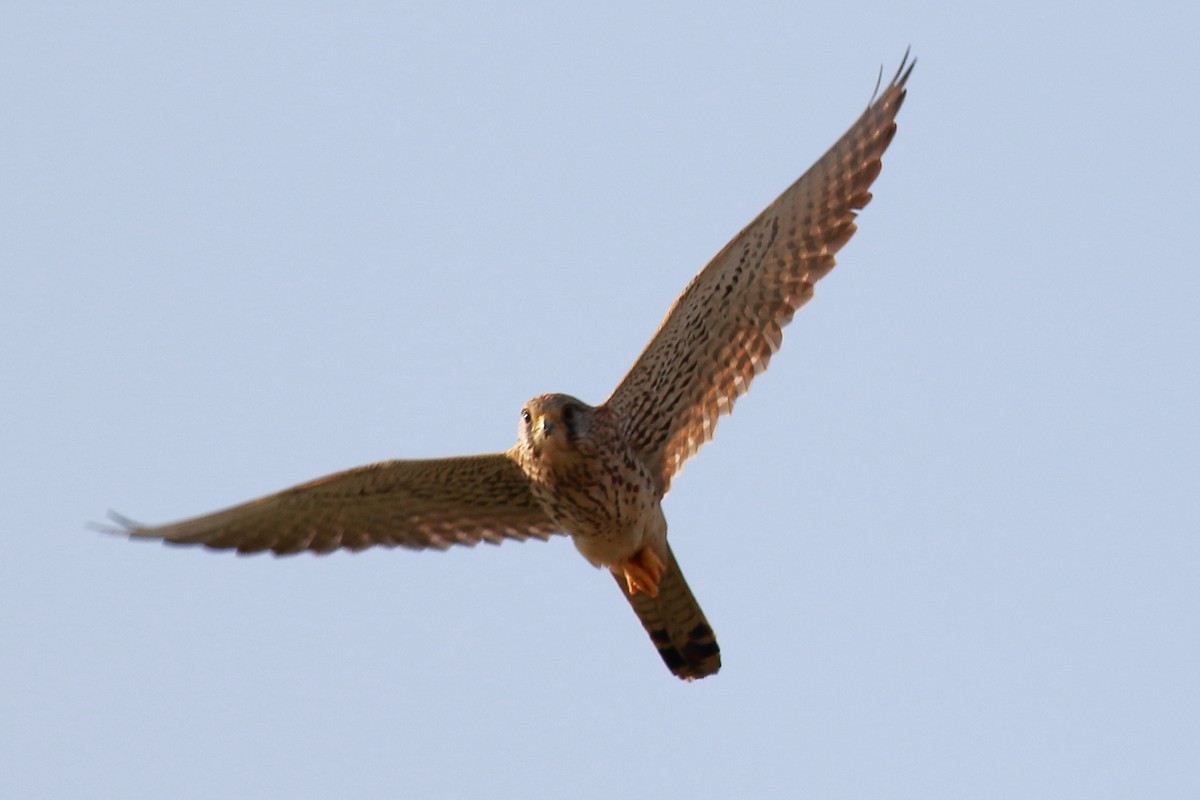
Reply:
x=642, y=571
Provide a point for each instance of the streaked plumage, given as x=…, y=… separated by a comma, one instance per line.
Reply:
x=599, y=473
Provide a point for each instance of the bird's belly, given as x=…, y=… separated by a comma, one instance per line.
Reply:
x=608, y=505
x=608, y=539
x=605, y=532
x=606, y=548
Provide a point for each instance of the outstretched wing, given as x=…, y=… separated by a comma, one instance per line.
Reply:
x=416, y=504
x=723, y=329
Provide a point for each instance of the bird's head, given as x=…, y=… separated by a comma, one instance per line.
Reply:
x=556, y=425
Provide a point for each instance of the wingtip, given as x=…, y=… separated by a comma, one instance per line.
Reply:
x=899, y=79
x=906, y=67
x=118, y=525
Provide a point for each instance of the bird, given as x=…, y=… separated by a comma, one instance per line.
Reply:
x=598, y=474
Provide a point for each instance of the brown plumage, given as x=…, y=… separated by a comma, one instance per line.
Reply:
x=415, y=504
x=724, y=328
x=599, y=473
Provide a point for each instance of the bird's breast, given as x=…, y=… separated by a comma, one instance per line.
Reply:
x=607, y=502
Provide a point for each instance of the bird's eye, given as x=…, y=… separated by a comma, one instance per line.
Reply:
x=568, y=414
x=526, y=417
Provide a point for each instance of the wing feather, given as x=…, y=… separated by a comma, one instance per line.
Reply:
x=415, y=504
x=724, y=328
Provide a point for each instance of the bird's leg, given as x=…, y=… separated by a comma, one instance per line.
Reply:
x=642, y=571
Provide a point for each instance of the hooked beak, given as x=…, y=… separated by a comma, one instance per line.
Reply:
x=546, y=433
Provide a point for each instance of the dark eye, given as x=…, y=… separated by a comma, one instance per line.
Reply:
x=569, y=414
x=526, y=417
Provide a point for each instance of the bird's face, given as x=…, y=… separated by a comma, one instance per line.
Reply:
x=555, y=425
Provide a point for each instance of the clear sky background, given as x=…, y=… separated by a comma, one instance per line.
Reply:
x=950, y=542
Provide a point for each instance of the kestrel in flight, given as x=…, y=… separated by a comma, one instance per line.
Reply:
x=599, y=473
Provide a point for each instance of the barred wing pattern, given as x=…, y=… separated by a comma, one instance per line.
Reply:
x=723, y=329
x=415, y=504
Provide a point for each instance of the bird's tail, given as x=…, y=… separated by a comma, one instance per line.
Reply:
x=676, y=624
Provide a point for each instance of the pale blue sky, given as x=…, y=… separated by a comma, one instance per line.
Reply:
x=950, y=543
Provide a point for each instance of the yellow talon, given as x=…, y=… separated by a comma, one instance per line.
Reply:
x=643, y=570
